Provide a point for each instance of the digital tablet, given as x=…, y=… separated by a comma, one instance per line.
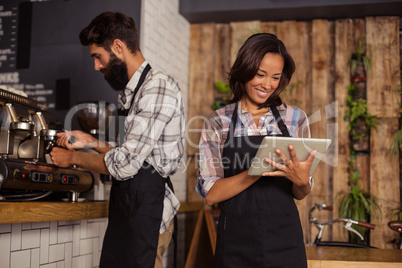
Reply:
x=303, y=147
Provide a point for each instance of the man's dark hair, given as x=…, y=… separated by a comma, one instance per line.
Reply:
x=107, y=27
x=248, y=61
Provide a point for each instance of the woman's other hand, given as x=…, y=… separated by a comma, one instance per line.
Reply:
x=296, y=171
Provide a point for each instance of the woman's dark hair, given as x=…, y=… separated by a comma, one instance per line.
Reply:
x=248, y=61
x=107, y=27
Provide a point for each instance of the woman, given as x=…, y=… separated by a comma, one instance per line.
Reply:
x=259, y=225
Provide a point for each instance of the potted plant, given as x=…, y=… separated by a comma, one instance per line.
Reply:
x=358, y=204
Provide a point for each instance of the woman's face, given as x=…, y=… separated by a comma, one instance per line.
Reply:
x=266, y=80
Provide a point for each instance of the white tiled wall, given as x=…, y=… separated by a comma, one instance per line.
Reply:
x=164, y=39
x=63, y=244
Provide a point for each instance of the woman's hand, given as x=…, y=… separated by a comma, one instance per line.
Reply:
x=297, y=172
x=76, y=139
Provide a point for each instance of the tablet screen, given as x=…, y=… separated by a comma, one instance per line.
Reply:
x=303, y=147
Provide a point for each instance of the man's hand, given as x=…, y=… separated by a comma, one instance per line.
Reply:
x=62, y=157
x=75, y=139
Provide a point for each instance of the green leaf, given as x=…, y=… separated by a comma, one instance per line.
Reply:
x=222, y=87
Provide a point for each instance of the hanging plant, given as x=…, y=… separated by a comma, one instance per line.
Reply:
x=361, y=122
x=359, y=57
x=358, y=204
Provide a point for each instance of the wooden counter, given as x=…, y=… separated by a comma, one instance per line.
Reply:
x=203, y=243
x=16, y=212
x=334, y=257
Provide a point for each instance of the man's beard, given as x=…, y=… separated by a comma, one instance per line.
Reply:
x=116, y=73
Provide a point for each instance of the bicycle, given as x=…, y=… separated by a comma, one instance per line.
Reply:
x=348, y=226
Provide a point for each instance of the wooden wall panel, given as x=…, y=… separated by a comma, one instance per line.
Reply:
x=320, y=94
x=384, y=180
x=347, y=32
x=201, y=79
x=222, y=57
x=296, y=37
x=382, y=82
x=269, y=27
x=201, y=91
x=240, y=31
x=363, y=165
x=383, y=79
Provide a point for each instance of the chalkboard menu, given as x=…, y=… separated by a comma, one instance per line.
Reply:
x=40, y=52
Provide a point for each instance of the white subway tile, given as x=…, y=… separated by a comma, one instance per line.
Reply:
x=93, y=229
x=79, y=262
x=26, y=225
x=53, y=233
x=21, y=259
x=5, y=228
x=95, y=252
x=39, y=225
x=88, y=261
x=65, y=234
x=85, y=246
x=5, y=248
x=56, y=252
x=16, y=236
x=76, y=240
x=30, y=239
x=50, y=265
x=60, y=264
x=61, y=223
x=68, y=255
x=44, y=246
x=83, y=229
x=35, y=258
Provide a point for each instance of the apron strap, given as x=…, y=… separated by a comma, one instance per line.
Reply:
x=232, y=125
x=279, y=121
x=140, y=82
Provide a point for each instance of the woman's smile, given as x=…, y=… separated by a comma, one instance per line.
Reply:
x=262, y=93
x=266, y=80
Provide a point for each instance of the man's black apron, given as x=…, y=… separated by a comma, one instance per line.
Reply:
x=260, y=227
x=135, y=215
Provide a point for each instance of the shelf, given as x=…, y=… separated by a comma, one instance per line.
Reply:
x=332, y=257
x=17, y=212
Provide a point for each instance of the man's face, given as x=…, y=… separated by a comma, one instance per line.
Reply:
x=114, y=69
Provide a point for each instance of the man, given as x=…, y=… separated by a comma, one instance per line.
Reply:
x=142, y=203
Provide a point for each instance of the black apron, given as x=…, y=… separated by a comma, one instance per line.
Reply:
x=135, y=215
x=260, y=227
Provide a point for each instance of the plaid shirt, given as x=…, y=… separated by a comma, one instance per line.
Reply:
x=215, y=131
x=153, y=132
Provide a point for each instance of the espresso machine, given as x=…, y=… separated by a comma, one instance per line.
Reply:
x=28, y=133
